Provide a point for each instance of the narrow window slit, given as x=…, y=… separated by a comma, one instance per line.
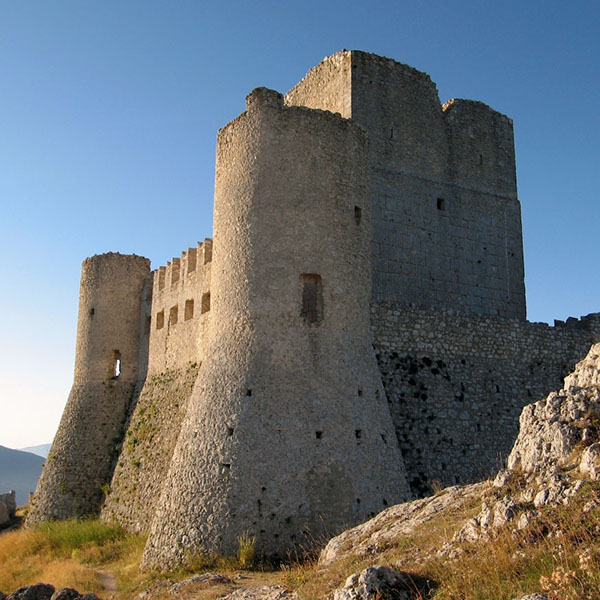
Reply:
x=160, y=319
x=205, y=307
x=189, y=310
x=312, y=298
x=358, y=433
x=441, y=204
x=357, y=214
x=318, y=434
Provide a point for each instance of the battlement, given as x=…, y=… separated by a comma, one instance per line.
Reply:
x=179, y=268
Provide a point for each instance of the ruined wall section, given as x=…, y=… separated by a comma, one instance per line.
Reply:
x=288, y=412
x=176, y=320
x=326, y=86
x=456, y=384
x=79, y=464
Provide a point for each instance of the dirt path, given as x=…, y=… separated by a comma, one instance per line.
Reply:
x=108, y=582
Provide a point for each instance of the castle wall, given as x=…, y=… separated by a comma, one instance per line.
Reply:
x=456, y=384
x=446, y=218
x=288, y=412
x=79, y=463
x=175, y=322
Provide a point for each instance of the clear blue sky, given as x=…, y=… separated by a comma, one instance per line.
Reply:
x=109, y=112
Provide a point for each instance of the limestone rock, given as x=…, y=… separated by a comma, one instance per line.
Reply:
x=554, y=431
x=377, y=583
x=535, y=596
x=161, y=589
x=269, y=592
x=66, y=594
x=394, y=522
x=38, y=591
x=590, y=461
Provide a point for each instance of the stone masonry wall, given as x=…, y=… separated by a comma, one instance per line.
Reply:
x=180, y=310
x=147, y=448
x=456, y=384
x=446, y=218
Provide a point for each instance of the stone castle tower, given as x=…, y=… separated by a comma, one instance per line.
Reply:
x=357, y=333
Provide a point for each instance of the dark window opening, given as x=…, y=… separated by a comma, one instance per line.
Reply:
x=360, y=392
x=481, y=159
x=441, y=204
x=358, y=433
x=205, y=307
x=189, y=310
x=248, y=392
x=357, y=214
x=160, y=319
x=312, y=298
x=230, y=431
x=318, y=434
x=173, y=315
x=91, y=312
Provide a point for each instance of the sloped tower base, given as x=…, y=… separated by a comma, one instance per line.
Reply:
x=288, y=436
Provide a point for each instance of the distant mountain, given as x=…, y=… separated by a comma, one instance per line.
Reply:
x=19, y=471
x=41, y=450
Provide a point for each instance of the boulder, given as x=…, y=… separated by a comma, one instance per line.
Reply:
x=38, y=591
x=378, y=583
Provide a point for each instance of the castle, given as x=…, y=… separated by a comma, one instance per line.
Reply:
x=354, y=332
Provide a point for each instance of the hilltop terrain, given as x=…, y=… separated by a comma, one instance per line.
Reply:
x=533, y=531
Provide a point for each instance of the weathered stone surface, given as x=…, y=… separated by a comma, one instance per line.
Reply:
x=378, y=583
x=555, y=431
x=66, y=594
x=271, y=592
x=176, y=588
x=395, y=522
x=38, y=591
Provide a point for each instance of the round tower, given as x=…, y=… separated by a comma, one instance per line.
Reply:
x=288, y=436
x=106, y=362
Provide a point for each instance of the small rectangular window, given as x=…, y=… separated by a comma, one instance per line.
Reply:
x=173, y=314
x=357, y=214
x=205, y=303
x=189, y=310
x=441, y=204
x=160, y=319
x=312, y=298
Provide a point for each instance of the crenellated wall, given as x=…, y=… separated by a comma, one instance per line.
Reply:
x=180, y=309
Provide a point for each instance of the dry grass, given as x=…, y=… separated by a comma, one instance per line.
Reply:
x=559, y=554
x=68, y=554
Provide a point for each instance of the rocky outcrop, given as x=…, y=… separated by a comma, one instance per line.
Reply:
x=556, y=452
x=381, y=582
